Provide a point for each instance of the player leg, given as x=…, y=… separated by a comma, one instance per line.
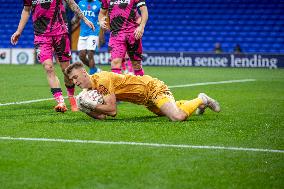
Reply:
x=211, y=103
x=202, y=101
x=83, y=57
x=82, y=48
x=54, y=85
x=163, y=100
x=117, y=49
x=92, y=66
x=180, y=110
x=165, y=105
x=128, y=65
x=155, y=110
x=63, y=51
x=43, y=47
x=134, y=50
x=92, y=42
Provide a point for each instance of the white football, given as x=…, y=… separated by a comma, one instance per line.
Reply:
x=87, y=99
x=95, y=96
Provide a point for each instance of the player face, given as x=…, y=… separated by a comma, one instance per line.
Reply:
x=81, y=78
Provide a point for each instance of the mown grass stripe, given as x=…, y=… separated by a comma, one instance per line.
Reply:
x=174, y=86
x=213, y=83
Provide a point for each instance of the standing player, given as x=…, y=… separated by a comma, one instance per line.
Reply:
x=89, y=39
x=125, y=33
x=51, y=34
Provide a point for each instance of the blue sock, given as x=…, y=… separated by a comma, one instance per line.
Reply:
x=93, y=70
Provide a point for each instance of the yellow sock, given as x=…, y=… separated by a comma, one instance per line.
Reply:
x=180, y=102
x=189, y=106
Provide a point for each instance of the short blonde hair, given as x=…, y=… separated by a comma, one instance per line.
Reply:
x=75, y=65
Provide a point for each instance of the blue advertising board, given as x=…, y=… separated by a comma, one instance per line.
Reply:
x=214, y=60
x=254, y=60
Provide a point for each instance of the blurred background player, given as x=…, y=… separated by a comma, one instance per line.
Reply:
x=88, y=40
x=142, y=90
x=238, y=49
x=125, y=33
x=51, y=34
x=218, y=48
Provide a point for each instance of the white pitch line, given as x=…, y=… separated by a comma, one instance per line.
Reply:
x=145, y=144
x=213, y=83
x=174, y=86
x=27, y=102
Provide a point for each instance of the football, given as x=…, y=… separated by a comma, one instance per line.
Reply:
x=88, y=99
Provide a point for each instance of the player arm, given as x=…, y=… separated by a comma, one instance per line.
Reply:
x=96, y=115
x=75, y=22
x=109, y=106
x=144, y=16
x=23, y=21
x=76, y=9
x=138, y=33
x=102, y=18
x=24, y=18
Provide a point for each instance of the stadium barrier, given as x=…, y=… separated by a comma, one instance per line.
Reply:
x=17, y=56
x=251, y=60
x=255, y=60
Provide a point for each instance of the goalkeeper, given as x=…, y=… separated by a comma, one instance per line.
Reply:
x=143, y=90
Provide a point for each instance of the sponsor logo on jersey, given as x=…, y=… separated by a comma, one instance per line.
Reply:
x=118, y=2
x=34, y=2
x=103, y=90
x=89, y=13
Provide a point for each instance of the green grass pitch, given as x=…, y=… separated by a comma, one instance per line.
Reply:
x=251, y=117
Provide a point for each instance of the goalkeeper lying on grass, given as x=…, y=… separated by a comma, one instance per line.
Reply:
x=142, y=90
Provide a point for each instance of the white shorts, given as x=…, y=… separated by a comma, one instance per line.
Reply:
x=88, y=43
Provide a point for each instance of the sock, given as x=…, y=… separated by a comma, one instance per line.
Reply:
x=116, y=70
x=57, y=94
x=180, y=102
x=130, y=67
x=70, y=90
x=139, y=72
x=93, y=70
x=189, y=106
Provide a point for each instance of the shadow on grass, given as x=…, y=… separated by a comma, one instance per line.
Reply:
x=44, y=114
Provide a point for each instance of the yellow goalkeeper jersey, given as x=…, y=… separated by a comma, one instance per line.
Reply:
x=130, y=88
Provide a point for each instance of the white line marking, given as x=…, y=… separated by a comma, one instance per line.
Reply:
x=213, y=83
x=174, y=86
x=145, y=144
x=27, y=102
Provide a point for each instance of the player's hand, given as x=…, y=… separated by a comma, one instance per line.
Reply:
x=138, y=33
x=103, y=23
x=15, y=37
x=89, y=23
